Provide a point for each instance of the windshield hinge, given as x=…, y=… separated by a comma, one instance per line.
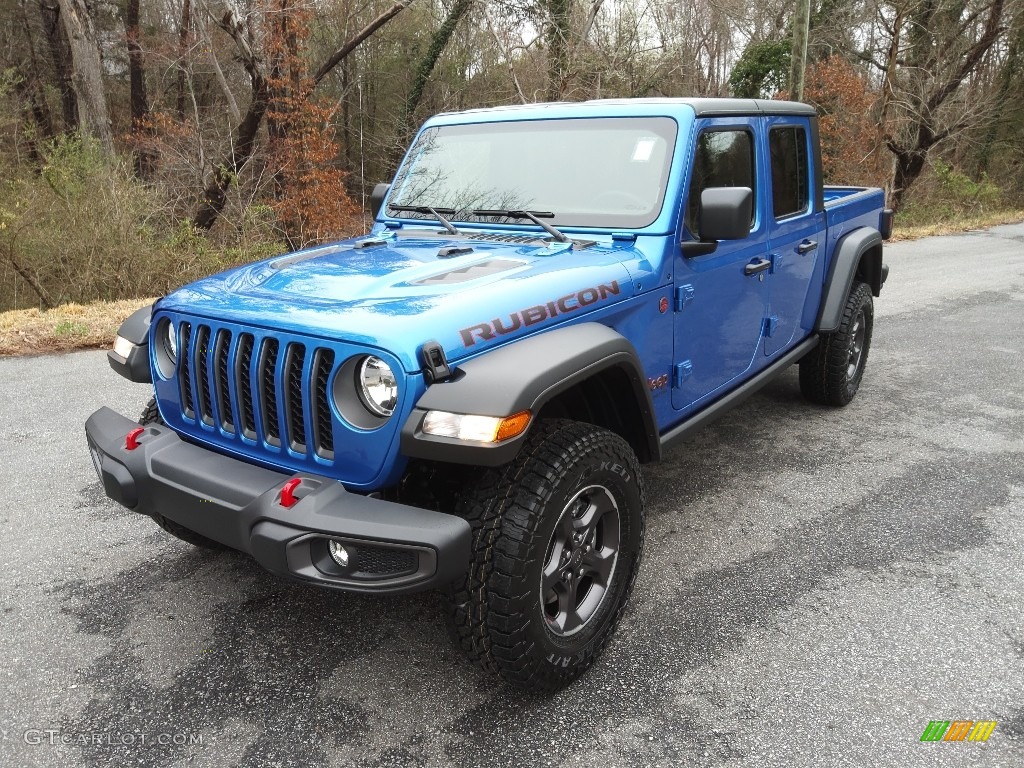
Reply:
x=435, y=363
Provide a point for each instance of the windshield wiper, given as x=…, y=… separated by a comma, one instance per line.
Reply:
x=435, y=212
x=532, y=216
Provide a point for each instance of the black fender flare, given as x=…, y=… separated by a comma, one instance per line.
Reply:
x=520, y=376
x=135, y=329
x=858, y=253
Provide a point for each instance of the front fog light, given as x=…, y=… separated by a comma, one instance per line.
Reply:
x=480, y=429
x=122, y=346
x=338, y=553
x=377, y=386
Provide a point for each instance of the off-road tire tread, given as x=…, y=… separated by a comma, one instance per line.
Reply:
x=151, y=414
x=823, y=377
x=500, y=507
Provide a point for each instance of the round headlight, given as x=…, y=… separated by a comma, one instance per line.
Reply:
x=377, y=386
x=171, y=341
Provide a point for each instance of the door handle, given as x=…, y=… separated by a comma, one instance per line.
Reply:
x=761, y=265
x=807, y=246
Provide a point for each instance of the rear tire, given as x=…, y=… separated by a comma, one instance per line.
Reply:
x=557, y=540
x=831, y=374
x=151, y=415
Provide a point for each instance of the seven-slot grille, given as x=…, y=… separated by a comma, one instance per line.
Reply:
x=258, y=387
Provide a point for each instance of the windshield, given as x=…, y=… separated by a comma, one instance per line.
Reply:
x=594, y=172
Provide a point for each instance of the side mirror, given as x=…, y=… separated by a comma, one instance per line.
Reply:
x=725, y=214
x=380, y=191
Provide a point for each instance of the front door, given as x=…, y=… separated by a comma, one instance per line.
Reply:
x=720, y=309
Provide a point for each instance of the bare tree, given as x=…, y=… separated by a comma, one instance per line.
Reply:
x=247, y=44
x=60, y=57
x=88, y=72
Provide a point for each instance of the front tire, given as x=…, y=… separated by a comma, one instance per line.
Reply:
x=831, y=374
x=557, y=539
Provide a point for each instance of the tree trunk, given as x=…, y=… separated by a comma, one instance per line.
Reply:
x=215, y=195
x=423, y=71
x=798, y=52
x=558, y=46
x=28, y=85
x=88, y=74
x=186, y=22
x=144, y=157
x=60, y=55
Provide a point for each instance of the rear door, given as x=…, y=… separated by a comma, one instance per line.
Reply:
x=797, y=230
x=720, y=310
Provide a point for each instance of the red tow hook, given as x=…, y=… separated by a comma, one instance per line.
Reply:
x=131, y=440
x=288, y=492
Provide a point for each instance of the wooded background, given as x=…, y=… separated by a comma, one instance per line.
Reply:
x=143, y=144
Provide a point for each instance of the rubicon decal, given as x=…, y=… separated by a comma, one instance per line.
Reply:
x=524, y=318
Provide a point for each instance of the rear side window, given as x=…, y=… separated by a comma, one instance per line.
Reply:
x=790, y=177
x=723, y=159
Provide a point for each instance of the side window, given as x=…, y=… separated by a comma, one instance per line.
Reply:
x=790, y=182
x=722, y=159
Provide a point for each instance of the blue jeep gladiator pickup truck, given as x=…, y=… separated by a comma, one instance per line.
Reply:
x=463, y=398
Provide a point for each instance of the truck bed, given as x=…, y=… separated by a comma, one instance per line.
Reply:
x=849, y=208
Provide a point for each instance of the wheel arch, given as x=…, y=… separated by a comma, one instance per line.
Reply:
x=857, y=256
x=586, y=371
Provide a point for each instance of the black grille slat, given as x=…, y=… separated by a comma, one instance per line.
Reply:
x=203, y=374
x=295, y=357
x=185, y=372
x=243, y=373
x=225, y=407
x=268, y=392
x=323, y=430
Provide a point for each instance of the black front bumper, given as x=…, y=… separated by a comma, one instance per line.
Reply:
x=393, y=548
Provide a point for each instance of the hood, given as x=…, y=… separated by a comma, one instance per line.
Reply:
x=395, y=293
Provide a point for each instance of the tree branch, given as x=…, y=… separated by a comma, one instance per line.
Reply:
x=359, y=37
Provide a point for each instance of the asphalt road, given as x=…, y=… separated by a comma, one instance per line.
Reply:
x=818, y=586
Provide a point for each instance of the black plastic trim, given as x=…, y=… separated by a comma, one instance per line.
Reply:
x=720, y=407
x=238, y=504
x=885, y=223
x=135, y=329
x=710, y=107
x=819, y=167
x=380, y=191
x=521, y=376
x=846, y=260
x=135, y=367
